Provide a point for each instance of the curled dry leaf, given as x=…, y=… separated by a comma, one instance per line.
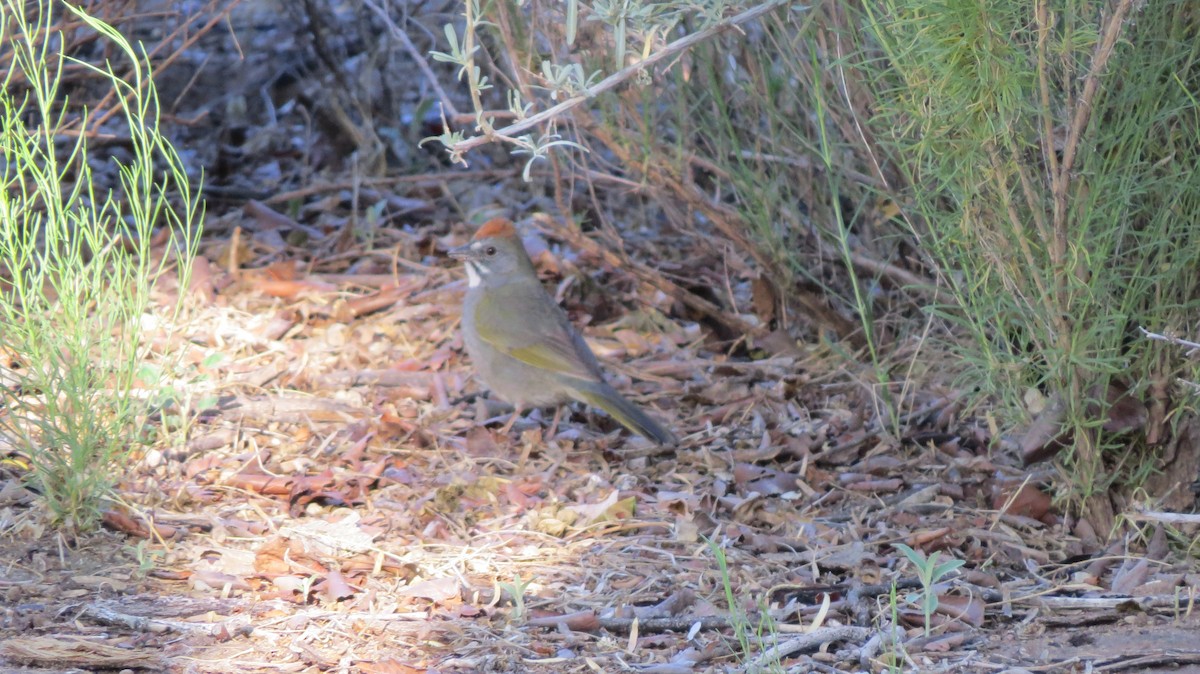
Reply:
x=923, y=539
x=968, y=609
x=1130, y=576
x=980, y=578
x=264, y=217
x=480, y=442
x=1046, y=436
x=271, y=557
x=202, y=284
x=945, y=643
x=1043, y=439
x=580, y=621
x=119, y=521
x=292, y=289
x=611, y=508
x=271, y=485
x=1126, y=411
x=437, y=590
x=334, y=586
x=215, y=580
x=1028, y=501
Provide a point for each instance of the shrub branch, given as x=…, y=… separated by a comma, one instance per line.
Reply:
x=1083, y=110
x=510, y=132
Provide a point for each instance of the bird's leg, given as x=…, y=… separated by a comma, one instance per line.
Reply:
x=517, y=409
x=554, y=424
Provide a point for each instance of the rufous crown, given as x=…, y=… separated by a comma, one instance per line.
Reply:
x=495, y=228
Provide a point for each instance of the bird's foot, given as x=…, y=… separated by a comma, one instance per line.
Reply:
x=511, y=420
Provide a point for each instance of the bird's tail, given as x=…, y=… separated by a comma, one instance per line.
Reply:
x=600, y=394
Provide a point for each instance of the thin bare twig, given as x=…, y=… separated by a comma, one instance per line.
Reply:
x=810, y=641
x=160, y=67
x=649, y=275
x=1168, y=517
x=417, y=57
x=1167, y=338
x=676, y=47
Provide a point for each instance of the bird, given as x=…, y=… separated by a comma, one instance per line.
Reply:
x=521, y=342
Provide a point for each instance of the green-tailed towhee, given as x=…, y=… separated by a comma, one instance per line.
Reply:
x=522, y=344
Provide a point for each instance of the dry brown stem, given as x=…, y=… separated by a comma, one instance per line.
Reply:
x=610, y=82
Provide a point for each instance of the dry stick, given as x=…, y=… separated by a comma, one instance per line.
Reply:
x=422, y=64
x=810, y=641
x=1170, y=659
x=616, y=78
x=649, y=275
x=136, y=623
x=1062, y=181
x=683, y=623
x=1043, y=65
x=877, y=427
x=673, y=624
x=731, y=225
x=287, y=409
x=1146, y=604
x=1168, y=338
x=1168, y=517
x=1096, y=509
x=895, y=274
x=161, y=67
x=1083, y=111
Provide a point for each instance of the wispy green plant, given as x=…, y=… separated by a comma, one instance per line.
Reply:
x=147, y=557
x=516, y=594
x=752, y=637
x=1050, y=156
x=804, y=187
x=895, y=656
x=77, y=263
x=929, y=572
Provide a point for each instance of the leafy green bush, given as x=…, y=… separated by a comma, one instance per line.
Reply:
x=1050, y=153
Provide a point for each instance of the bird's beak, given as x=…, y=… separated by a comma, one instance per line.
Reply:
x=471, y=261
x=462, y=253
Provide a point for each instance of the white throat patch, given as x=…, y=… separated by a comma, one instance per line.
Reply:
x=474, y=274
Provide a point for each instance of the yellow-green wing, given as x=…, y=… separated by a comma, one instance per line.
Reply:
x=540, y=335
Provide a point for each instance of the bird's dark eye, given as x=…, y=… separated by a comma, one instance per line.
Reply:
x=490, y=251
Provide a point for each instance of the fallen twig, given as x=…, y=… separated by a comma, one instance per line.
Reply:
x=649, y=275
x=287, y=409
x=810, y=641
x=1159, y=516
x=107, y=616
